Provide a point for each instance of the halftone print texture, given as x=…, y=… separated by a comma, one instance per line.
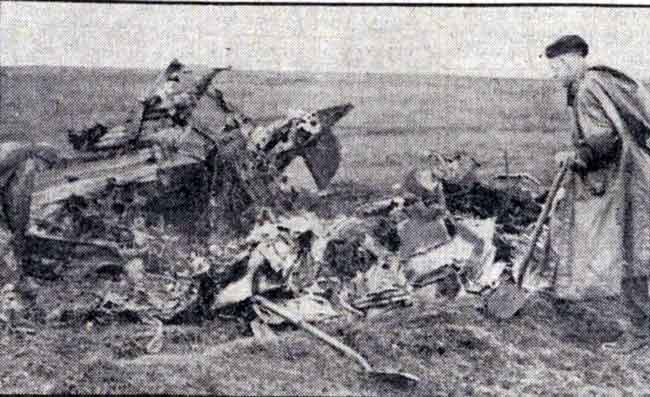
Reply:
x=324, y=199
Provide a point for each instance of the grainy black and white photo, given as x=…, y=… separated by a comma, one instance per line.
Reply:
x=326, y=199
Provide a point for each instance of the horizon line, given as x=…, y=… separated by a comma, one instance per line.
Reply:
x=152, y=68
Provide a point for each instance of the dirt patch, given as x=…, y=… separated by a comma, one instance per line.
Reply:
x=550, y=347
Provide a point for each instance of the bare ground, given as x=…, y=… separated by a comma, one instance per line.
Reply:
x=550, y=348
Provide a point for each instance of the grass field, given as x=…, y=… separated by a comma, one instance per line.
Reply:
x=549, y=349
x=396, y=117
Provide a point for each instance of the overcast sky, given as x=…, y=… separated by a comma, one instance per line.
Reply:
x=474, y=41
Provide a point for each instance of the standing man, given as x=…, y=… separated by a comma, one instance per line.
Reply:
x=601, y=226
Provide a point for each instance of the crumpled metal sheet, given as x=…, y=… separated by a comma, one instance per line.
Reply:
x=285, y=243
x=455, y=182
x=354, y=244
x=161, y=106
x=384, y=207
x=522, y=186
x=279, y=256
x=424, y=182
x=382, y=285
x=256, y=156
x=418, y=236
x=470, y=248
x=155, y=296
x=459, y=169
x=323, y=159
x=542, y=263
x=290, y=253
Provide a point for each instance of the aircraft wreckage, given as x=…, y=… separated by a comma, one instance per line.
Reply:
x=164, y=158
x=442, y=233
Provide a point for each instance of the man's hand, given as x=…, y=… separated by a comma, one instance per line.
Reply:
x=565, y=158
x=571, y=160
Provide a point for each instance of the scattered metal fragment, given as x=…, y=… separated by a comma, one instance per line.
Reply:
x=383, y=285
x=469, y=249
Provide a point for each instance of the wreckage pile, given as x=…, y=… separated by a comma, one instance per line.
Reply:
x=249, y=160
x=167, y=159
x=443, y=233
x=342, y=268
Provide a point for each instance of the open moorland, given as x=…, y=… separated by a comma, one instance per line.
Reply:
x=549, y=348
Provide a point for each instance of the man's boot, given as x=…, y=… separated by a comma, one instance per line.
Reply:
x=636, y=334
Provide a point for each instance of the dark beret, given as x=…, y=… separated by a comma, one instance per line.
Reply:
x=566, y=45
